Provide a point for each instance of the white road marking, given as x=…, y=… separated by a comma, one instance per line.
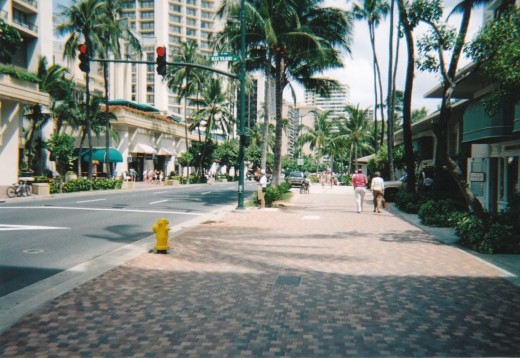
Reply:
x=102, y=209
x=206, y=192
x=161, y=192
x=89, y=201
x=156, y=202
x=29, y=227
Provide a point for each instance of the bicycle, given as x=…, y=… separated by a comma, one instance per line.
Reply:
x=19, y=189
x=304, y=188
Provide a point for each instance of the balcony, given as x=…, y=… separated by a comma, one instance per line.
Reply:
x=25, y=27
x=21, y=91
x=27, y=5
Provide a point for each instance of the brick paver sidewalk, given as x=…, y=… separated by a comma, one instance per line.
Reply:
x=314, y=278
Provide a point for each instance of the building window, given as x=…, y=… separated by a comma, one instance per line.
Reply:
x=149, y=89
x=191, y=12
x=134, y=78
x=128, y=5
x=207, y=5
x=147, y=25
x=150, y=99
x=147, y=5
x=175, y=18
x=150, y=68
x=129, y=15
x=206, y=15
x=191, y=32
x=175, y=29
x=205, y=25
x=150, y=78
x=191, y=2
x=191, y=22
x=175, y=8
x=147, y=15
x=175, y=40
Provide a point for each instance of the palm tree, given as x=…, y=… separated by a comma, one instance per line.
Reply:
x=83, y=22
x=373, y=11
x=113, y=33
x=354, y=132
x=52, y=81
x=186, y=80
x=318, y=135
x=97, y=125
x=213, y=114
x=301, y=37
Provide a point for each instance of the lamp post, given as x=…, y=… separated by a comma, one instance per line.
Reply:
x=242, y=106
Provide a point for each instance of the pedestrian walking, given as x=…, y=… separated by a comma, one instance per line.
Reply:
x=359, y=181
x=377, y=185
x=262, y=188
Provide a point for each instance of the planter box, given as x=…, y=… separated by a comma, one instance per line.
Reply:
x=127, y=185
x=171, y=182
x=69, y=177
x=41, y=189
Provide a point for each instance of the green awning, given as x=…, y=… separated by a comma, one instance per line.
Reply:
x=482, y=127
x=99, y=154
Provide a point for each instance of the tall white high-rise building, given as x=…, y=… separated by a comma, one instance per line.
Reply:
x=163, y=23
x=33, y=21
x=336, y=102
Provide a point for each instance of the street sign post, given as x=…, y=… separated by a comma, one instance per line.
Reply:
x=224, y=57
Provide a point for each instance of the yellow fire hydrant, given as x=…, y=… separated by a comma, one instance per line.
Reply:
x=161, y=229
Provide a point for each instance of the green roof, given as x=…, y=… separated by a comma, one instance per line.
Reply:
x=141, y=107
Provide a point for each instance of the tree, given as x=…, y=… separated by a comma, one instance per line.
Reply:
x=213, y=114
x=226, y=154
x=373, y=11
x=318, y=134
x=10, y=41
x=186, y=80
x=83, y=22
x=113, y=33
x=496, y=51
x=433, y=48
x=61, y=147
x=354, y=132
x=52, y=80
x=408, y=20
x=301, y=37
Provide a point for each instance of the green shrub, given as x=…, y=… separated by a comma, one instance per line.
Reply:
x=40, y=179
x=409, y=202
x=488, y=236
x=437, y=213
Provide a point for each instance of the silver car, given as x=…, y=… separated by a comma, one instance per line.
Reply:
x=295, y=178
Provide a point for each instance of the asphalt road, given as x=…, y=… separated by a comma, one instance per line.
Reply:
x=40, y=238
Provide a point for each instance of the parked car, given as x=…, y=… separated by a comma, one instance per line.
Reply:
x=295, y=178
x=393, y=186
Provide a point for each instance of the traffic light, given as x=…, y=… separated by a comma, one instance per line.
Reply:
x=161, y=60
x=84, y=59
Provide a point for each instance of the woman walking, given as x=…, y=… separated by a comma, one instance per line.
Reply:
x=378, y=190
x=359, y=181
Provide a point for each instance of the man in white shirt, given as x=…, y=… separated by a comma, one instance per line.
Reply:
x=262, y=188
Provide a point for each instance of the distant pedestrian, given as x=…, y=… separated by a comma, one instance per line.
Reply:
x=378, y=190
x=359, y=181
x=262, y=188
x=323, y=178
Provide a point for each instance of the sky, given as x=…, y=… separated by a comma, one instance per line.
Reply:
x=357, y=73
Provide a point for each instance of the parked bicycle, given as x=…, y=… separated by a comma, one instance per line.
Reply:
x=22, y=188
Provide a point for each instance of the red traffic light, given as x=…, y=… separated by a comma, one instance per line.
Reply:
x=161, y=51
x=82, y=48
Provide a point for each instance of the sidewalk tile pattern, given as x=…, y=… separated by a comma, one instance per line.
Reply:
x=371, y=285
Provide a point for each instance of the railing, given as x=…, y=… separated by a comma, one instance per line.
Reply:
x=33, y=3
x=28, y=26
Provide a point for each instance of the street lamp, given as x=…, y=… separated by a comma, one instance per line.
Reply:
x=242, y=106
